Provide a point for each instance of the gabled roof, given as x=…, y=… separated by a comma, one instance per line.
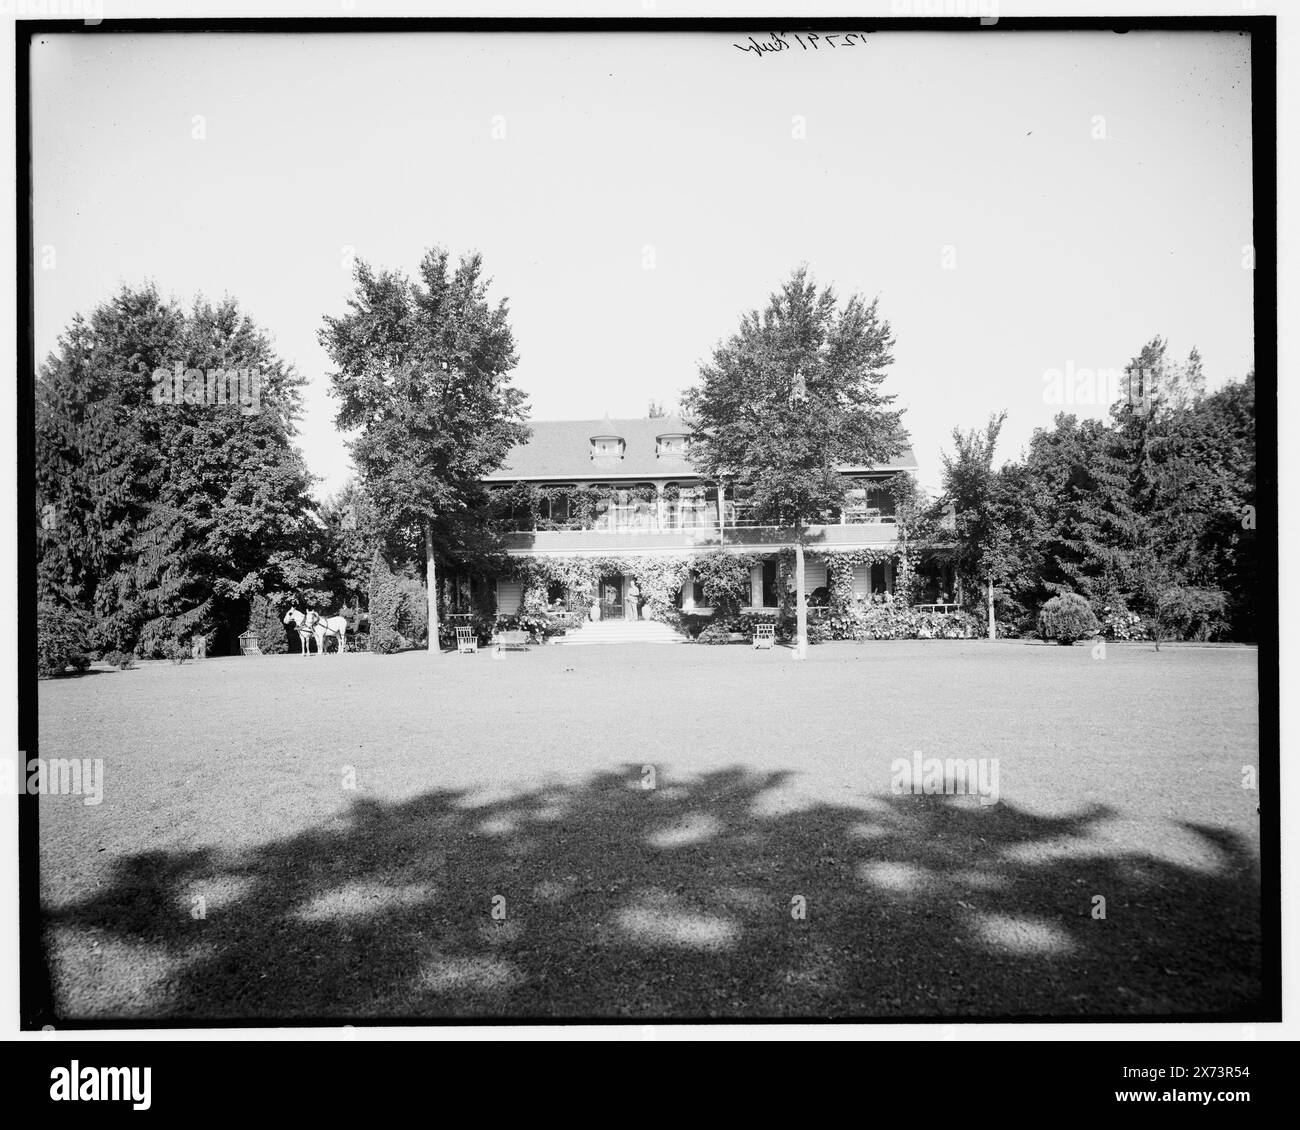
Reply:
x=560, y=450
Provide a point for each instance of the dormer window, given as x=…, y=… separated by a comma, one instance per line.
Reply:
x=670, y=444
x=607, y=447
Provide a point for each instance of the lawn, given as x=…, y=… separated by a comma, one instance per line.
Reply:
x=412, y=836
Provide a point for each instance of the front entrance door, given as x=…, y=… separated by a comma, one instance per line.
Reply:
x=611, y=598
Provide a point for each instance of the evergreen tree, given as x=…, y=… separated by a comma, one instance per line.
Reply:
x=164, y=507
x=384, y=602
x=1087, y=524
x=96, y=445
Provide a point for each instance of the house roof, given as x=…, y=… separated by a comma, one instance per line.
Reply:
x=560, y=450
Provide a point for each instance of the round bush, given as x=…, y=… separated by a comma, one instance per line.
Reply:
x=1067, y=618
x=714, y=634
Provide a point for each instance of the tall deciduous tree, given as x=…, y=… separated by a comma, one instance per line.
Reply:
x=788, y=401
x=423, y=379
x=984, y=518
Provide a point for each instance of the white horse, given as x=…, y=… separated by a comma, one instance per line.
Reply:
x=299, y=621
x=326, y=626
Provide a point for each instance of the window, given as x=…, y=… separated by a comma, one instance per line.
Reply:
x=556, y=509
x=607, y=447
x=769, y=585
x=508, y=595
x=458, y=594
x=672, y=444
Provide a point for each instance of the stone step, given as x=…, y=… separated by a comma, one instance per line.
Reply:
x=621, y=631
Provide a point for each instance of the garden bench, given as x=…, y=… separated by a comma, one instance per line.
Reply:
x=466, y=641
x=764, y=635
x=513, y=638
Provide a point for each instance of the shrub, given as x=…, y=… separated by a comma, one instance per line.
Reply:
x=566, y=620
x=483, y=623
x=1193, y=613
x=412, y=610
x=896, y=621
x=62, y=639
x=715, y=634
x=748, y=621
x=845, y=623
x=123, y=660
x=1118, y=623
x=385, y=641
x=539, y=627
x=264, y=619
x=958, y=625
x=1066, y=619
x=886, y=622
x=692, y=624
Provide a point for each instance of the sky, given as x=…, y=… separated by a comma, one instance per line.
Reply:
x=1021, y=203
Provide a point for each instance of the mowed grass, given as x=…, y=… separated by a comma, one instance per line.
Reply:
x=419, y=837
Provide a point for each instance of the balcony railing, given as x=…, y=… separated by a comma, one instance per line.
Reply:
x=643, y=517
x=737, y=515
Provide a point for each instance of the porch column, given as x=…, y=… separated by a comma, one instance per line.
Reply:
x=659, y=502
x=755, y=586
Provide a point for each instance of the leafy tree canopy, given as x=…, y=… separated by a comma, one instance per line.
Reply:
x=791, y=397
x=423, y=381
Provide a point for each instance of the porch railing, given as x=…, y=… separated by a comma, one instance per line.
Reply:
x=645, y=517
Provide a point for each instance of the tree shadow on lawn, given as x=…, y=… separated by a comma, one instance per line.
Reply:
x=678, y=902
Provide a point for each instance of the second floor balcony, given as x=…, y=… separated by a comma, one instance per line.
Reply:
x=650, y=525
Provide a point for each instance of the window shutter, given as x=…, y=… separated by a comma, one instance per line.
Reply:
x=509, y=594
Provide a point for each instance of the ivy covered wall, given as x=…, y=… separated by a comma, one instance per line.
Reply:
x=724, y=577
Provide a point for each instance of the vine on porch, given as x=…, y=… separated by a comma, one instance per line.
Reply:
x=534, y=505
x=724, y=578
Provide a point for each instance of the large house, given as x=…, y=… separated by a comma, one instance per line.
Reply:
x=618, y=496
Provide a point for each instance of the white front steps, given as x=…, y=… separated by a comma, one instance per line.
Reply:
x=621, y=631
